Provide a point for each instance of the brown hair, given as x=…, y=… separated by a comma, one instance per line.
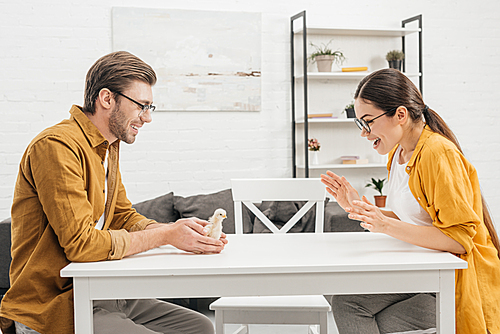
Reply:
x=388, y=89
x=115, y=71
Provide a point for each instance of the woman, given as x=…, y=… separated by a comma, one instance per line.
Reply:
x=436, y=203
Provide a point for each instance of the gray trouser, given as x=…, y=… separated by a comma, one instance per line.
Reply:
x=142, y=316
x=384, y=313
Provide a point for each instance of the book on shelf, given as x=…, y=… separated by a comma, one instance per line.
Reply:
x=355, y=161
x=354, y=69
x=349, y=157
x=319, y=115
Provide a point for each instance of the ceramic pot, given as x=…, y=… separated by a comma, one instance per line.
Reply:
x=324, y=63
x=380, y=201
x=396, y=64
x=350, y=113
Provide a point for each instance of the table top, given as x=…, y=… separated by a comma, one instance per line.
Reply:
x=278, y=253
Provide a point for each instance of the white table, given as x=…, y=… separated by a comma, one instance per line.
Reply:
x=270, y=264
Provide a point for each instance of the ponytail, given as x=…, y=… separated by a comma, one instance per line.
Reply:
x=388, y=89
x=438, y=125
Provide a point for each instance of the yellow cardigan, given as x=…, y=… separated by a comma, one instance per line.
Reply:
x=58, y=199
x=446, y=185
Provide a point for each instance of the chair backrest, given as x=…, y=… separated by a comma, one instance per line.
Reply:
x=248, y=191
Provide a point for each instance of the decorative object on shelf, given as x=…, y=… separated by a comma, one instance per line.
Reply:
x=354, y=69
x=349, y=110
x=314, y=147
x=325, y=57
x=378, y=185
x=394, y=58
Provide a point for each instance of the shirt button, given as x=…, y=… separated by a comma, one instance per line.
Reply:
x=103, y=191
x=105, y=143
x=102, y=162
x=418, y=198
x=407, y=168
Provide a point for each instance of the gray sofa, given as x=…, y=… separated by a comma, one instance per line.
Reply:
x=169, y=208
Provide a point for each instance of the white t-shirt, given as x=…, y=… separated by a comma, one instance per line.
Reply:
x=100, y=223
x=399, y=197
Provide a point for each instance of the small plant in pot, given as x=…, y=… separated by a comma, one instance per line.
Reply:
x=324, y=57
x=349, y=110
x=314, y=146
x=394, y=58
x=378, y=185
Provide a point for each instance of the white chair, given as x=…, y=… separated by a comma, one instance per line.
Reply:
x=305, y=310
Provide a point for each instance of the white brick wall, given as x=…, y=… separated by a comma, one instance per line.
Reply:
x=46, y=48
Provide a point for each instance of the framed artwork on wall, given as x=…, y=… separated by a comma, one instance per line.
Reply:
x=204, y=60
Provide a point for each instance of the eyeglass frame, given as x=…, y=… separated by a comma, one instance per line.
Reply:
x=365, y=125
x=144, y=107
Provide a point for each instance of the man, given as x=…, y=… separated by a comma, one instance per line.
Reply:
x=70, y=205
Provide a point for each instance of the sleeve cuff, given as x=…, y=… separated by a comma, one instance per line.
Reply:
x=120, y=243
x=462, y=235
x=141, y=225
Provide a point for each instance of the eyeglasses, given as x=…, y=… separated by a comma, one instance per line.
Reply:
x=364, y=124
x=144, y=107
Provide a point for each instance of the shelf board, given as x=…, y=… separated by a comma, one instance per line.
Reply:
x=326, y=120
x=344, y=166
x=383, y=32
x=343, y=75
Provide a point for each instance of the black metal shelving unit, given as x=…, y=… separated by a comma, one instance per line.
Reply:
x=302, y=15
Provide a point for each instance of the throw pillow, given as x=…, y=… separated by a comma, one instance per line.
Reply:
x=160, y=209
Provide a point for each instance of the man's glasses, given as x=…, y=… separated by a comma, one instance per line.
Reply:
x=364, y=124
x=144, y=107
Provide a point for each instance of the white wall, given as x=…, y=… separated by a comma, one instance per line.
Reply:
x=46, y=48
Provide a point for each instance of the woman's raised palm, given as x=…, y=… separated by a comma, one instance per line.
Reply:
x=340, y=188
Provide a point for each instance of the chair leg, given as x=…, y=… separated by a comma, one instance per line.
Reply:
x=323, y=323
x=219, y=324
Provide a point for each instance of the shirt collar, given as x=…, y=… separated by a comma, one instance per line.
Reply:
x=426, y=133
x=94, y=136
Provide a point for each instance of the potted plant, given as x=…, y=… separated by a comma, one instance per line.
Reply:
x=324, y=57
x=395, y=57
x=378, y=185
x=314, y=147
x=349, y=110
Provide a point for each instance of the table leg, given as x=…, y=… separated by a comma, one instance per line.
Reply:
x=445, y=303
x=84, y=320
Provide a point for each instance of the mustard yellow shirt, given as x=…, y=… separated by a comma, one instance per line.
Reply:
x=446, y=185
x=58, y=200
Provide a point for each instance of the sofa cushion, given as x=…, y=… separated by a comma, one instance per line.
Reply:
x=5, y=257
x=336, y=220
x=160, y=209
x=203, y=207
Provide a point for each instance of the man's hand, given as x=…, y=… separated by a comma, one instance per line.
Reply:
x=186, y=234
x=189, y=235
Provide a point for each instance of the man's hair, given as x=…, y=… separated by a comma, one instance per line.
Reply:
x=116, y=72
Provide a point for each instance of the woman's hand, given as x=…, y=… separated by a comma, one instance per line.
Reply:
x=340, y=189
x=373, y=219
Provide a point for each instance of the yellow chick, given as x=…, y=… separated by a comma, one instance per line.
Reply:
x=215, y=226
